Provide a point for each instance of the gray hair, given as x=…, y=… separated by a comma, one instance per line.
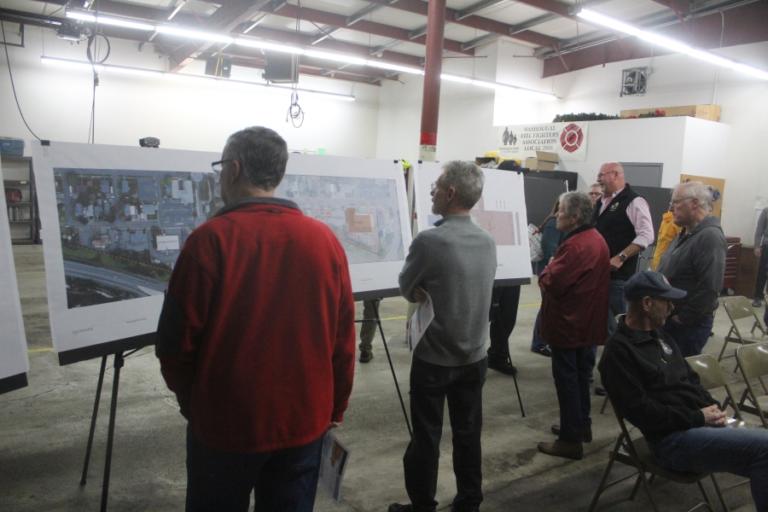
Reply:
x=577, y=204
x=696, y=190
x=467, y=179
x=262, y=153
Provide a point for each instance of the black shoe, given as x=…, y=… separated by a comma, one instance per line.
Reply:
x=586, y=437
x=397, y=507
x=757, y=303
x=600, y=391
x=544, y=351
x=563, y=449
x=366, y=356
x=502, y=364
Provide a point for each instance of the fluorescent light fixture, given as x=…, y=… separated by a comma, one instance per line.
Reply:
x=194, y=34
x=86, y=66
x=109, y=20
x=670, y=44
x=176, y=10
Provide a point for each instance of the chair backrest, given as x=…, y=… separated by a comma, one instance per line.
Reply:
x=711, y=377
x=753, y=360
x=738, y=307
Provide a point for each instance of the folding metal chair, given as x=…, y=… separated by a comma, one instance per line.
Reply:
x=711, y=377
x=753, y=363
x=636, y=453
x=739, y=308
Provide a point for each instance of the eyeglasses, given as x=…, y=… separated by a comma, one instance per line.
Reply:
x=595, y=194
x=601, y=174
x=679, y=200
x=218, y=165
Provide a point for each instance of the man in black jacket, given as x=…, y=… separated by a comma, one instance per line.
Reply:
x=652, y=386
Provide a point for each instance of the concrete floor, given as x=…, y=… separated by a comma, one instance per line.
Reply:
x=44, y=427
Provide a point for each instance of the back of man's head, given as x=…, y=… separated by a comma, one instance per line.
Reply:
x=262, y=153
x=467, y=179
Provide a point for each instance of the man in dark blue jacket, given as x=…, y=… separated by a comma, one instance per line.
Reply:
x=652, y=386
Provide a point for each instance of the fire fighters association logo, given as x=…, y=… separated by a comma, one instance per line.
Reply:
x=571, y=138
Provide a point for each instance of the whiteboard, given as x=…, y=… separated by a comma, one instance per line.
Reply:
x=500, y=211
x=13, y=343
x=115, y=218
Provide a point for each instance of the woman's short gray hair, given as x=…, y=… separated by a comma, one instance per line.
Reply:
x=467, y=179
x=577, y=204
x=262, y=153
x=696, y=190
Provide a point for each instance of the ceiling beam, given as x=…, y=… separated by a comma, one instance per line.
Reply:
x=474, y=21
x=225, y=19
x=747, y=25
x=681, y=7
x=477, y=7
x=369, y=27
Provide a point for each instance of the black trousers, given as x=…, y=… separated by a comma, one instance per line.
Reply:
x=504, y=304
x=762, y=273
x=572, y=369
x=462, y=386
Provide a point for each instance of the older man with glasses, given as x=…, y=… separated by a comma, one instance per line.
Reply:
x=256, y=338
x=694, y=262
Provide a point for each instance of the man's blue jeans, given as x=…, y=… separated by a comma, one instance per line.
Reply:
x=743, y=451
x=690, y=339
x=616, y=304
x=281, y=481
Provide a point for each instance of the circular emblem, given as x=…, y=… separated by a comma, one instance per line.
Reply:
x=571, y=138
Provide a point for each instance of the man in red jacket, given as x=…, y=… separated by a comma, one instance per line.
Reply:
x=257, y=339
x=574, y=318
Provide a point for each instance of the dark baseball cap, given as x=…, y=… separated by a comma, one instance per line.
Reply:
x=651, y=284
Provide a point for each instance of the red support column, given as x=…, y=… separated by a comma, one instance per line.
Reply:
x=431, y=103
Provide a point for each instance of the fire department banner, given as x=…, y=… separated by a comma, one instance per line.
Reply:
x=568, y=140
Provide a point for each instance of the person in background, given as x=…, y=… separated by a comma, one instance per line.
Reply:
x=368, y=329
x=574, y=287
x=694, y=262
x=257, y=338
x=668, y=231
x=455, y=264
x=503, y=316
x=624, y=219
x=761, y=251
x=595, y=192
x=654, y=388
x=550, y=239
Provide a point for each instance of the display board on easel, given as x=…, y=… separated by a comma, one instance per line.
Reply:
x=115, y=218
x=14, y=364
x=501, y=211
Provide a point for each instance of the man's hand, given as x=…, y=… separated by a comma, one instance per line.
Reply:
x=616, y=263
x=758, y=251
x=334, y=424
x=713, y=416
x=675, y=319
x=420, y=294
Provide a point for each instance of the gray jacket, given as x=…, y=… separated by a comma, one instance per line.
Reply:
x=456, y=263
x=695, y=262
x=761, y=232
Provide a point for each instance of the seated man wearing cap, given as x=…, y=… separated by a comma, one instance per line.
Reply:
x=652, y=386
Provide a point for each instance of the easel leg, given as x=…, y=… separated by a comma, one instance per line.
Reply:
x=111, y=431
x=84, y=477
x=392, y=369
x=519, y=399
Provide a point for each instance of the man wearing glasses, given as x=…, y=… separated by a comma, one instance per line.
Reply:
x=652, y=386
x=256, y=338
x=695, y=262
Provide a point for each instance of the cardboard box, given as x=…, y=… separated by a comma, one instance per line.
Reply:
x=708, y=112
x=547, y=156
x=535, y=164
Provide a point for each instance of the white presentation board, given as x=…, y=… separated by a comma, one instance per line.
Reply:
x=114, y=219
x=14, y=364
x=500, y=211
x=364, y=202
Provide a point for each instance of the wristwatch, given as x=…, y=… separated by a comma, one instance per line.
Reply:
x=622, y=257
